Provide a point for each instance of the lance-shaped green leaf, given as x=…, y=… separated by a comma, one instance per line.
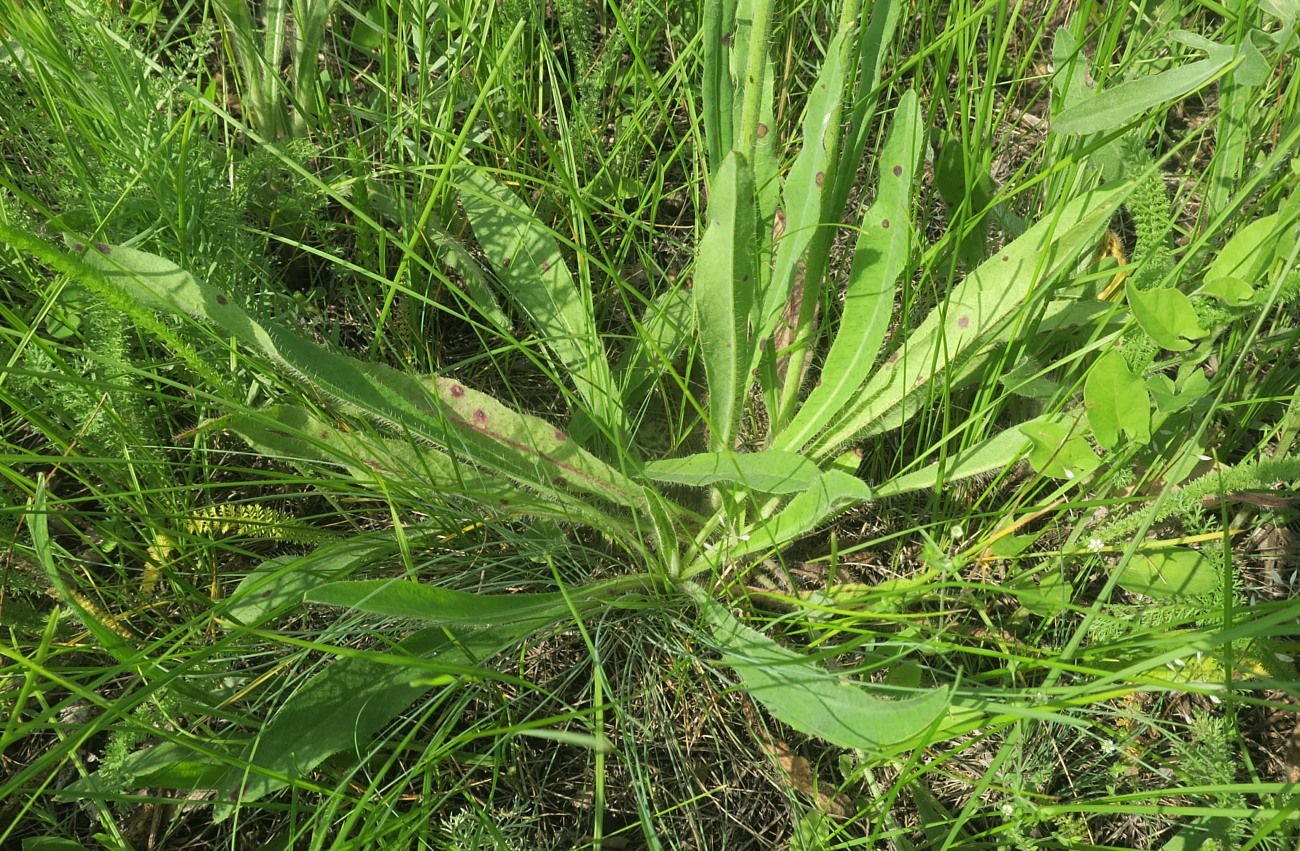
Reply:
x=295, y=433
x=1121, y=104
x=724, y=290
x=396, y=598
x=351, y=700
x=1242, y=263
x=718, y=45
x=882, y=252
x=845, y=713
x=442, y=411
x=873, y=50
x=996, y=453
x=527, y=259
x=788, y=303
x=772, y=471
x=806, y=185
x=974, y=312
x=833, y=492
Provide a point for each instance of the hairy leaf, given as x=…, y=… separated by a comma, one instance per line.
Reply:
x=845, y=713
x=773, y=471
x=725, y=274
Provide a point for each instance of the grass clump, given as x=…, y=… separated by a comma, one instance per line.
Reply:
x=693, y=435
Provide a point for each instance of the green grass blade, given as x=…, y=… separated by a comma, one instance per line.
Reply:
x=663, y=332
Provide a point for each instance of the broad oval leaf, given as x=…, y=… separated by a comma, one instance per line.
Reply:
x=1058, y=451
x=1167, y=315
x=1116, y=400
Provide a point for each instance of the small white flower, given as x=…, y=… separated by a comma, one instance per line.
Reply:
x=1040, y=699
x=1096, y=544
x=957, y=532
x=1008, y=810
x=1108, y=747
x=1069, y=474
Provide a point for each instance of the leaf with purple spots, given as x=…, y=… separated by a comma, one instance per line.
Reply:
x=532, y=269
x=975, y=313
x=881, y=255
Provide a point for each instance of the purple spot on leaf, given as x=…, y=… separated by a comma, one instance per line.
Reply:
x=898, y=171
x=546, y=265
x=963, y=322
x=890, y=360
x=762, y=130
x=77, y=246
x=480, y=416
x=102, y=248
x=821, y=178
x=222, y=300
x=560, y=436
x=324, y=435
x=505, y=262
x=1006, y=257
x=919, y=379
x=726, y=39
x=457, y=391
x=884, y=223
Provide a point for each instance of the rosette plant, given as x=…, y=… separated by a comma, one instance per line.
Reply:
x=804, y=361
